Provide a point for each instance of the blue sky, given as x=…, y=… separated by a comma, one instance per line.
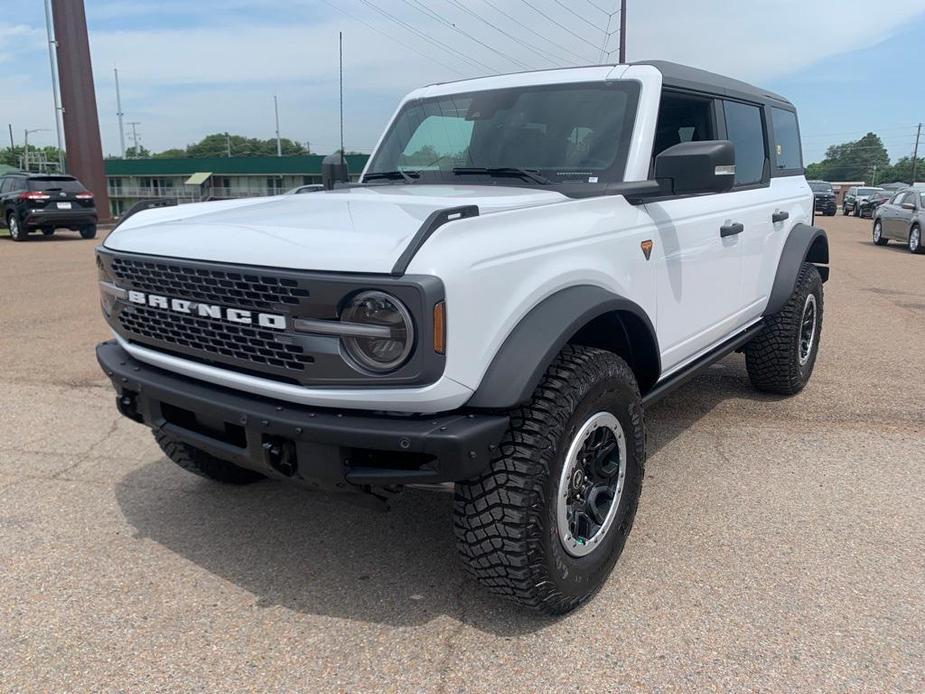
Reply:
x=191, y=68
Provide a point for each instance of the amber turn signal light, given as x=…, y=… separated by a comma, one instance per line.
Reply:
x=440, y=328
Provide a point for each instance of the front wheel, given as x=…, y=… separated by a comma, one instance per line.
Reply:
x=878, y=236
x=545, y=523
x=780, y=359
x=915, y=240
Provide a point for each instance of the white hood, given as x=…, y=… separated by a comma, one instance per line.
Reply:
x=349, y=230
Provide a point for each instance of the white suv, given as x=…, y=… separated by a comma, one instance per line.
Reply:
x=528, y=261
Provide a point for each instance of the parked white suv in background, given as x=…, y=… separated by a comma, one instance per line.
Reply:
x=528, y=261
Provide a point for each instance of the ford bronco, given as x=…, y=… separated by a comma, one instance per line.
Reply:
x=527, y=262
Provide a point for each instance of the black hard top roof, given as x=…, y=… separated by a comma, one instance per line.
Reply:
x=685, y=77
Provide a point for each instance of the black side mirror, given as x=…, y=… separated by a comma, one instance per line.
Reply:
x=334, y=170
x=698, y=167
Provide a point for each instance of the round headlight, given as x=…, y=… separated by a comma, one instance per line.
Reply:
x=383, y=334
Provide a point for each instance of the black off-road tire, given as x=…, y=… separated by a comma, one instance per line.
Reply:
x=506, y=519
x=880, y=239
x=88, y=232
x=48, y=232
x=202, y=464
x=773, y=357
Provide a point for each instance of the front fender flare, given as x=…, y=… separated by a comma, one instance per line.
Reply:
x=518, y=366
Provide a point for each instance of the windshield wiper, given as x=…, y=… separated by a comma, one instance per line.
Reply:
x=393, y=175
x=502, y=171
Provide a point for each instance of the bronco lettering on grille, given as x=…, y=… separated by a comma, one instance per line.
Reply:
x=233, y=315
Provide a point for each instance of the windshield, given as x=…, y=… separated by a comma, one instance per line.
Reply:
x=575, y=133
x=868, y=191
x=819, y=187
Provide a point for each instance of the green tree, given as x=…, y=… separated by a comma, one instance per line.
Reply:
x=141, y=152
x=221, y=144
x=852, y=161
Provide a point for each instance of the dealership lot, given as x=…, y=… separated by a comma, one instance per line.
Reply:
x=779, y=543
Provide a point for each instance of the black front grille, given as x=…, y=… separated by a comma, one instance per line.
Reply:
x=215, y=286
x=242, y=345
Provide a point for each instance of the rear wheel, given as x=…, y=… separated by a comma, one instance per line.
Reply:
x=88, y=232
x=48, y=232
x=915, y=240
x=780, y=359
x=202, y=464
x=878, y=236
x=544, y=524
x=17, y=229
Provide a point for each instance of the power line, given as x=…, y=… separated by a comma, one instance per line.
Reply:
x=430, y=13
x=389, y=36
x=578, y=15
x=558, y=24
x=596, y=6
x=544, y=56
x=420, y=34
x=581, y=59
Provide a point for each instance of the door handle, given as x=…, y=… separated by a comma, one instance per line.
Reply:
x=779, y=216
x=731, y=229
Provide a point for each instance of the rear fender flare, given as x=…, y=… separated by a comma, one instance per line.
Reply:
x=805, y=244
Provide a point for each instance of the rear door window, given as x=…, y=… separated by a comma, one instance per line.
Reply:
x=745, y=129
x=788, y=154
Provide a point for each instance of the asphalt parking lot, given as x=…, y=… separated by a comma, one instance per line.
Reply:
x=779, y=545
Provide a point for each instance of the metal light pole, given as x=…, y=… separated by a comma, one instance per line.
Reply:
x=915, y=153
x=119, y=112
x=52, y=59
x=279, y=146
x=622, y=31
x=340, y=46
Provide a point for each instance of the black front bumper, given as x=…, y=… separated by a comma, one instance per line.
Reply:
x=318, y=447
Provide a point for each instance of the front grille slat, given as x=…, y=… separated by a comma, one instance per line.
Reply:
x=250, y=291
x=255, y=348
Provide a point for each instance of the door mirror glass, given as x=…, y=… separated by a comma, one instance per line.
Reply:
x=697, y=167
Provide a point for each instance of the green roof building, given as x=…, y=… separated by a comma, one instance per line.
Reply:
x=214, y=178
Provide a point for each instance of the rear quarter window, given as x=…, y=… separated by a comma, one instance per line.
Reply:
x=787, y=154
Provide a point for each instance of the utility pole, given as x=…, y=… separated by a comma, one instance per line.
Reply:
x=12, y=141
x=228, y=145
x=622, y=31
x=134, y=137
x=874, y=181
x=119, y=112
x=340, y=45
x=915, y=153
x=279, y=146
x=52, y=45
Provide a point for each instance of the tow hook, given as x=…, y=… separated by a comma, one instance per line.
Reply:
x=127, y=404
x=279, y=454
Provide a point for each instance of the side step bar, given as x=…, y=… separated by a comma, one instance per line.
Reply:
x=678, y=379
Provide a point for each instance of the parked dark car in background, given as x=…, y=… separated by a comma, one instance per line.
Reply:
x=824, y=197
x=40, y=202
x=855, y=196
x=866, y=207
x=901, y=218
